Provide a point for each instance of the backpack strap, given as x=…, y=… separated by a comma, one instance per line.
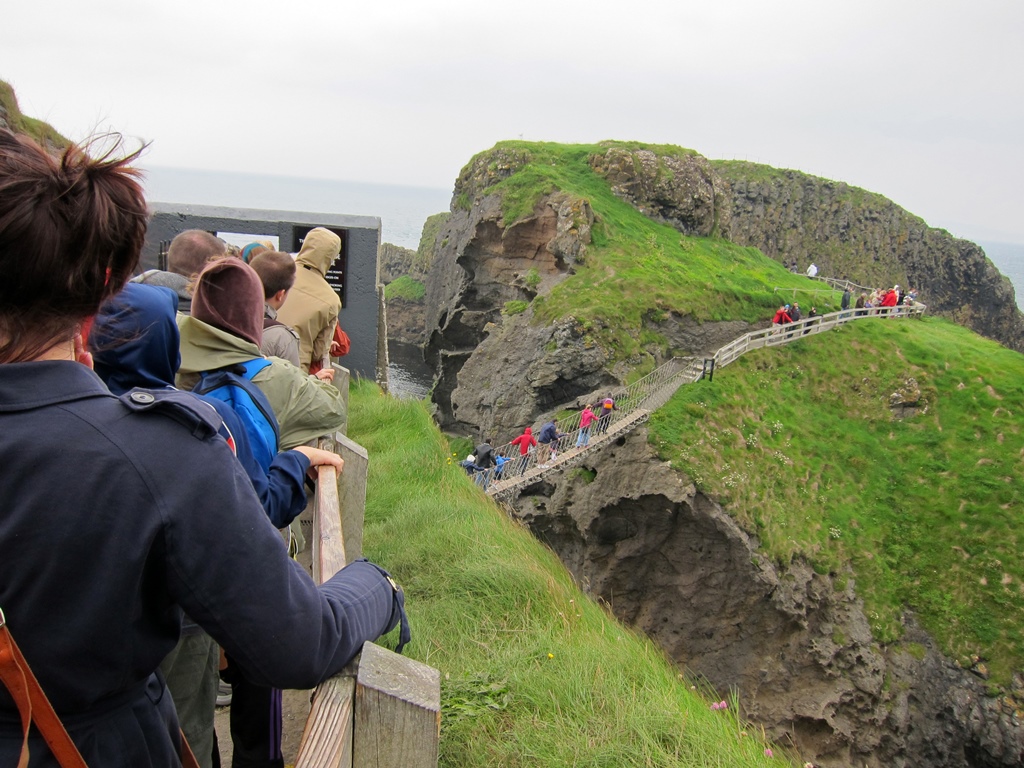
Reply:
x=254, y=366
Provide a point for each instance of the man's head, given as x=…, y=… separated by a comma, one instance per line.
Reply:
x=277, y=273
x=191, y=249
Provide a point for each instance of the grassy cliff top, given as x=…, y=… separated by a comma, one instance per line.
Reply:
x=42, y=132
x=533, y=672
x=634, y=265
x=799, y=444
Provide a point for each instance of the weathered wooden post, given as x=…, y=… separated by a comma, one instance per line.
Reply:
x=397, y=711
x=383, y=710
x=342, y=377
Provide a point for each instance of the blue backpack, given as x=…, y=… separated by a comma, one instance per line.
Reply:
x=234, y=386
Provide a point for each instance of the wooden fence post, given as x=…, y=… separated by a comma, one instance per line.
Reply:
x=397, y=711
x=341, y=381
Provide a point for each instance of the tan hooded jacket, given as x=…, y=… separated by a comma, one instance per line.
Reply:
x=312, y=305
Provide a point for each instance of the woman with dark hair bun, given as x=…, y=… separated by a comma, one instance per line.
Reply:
x=110, y=504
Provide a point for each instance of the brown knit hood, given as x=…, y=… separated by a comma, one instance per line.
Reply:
x=229, y=296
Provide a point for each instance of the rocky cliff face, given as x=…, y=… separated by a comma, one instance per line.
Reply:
x=494, y=371
x=851, y=233
x=795, y=645
x=407, y=321
x=680, y=190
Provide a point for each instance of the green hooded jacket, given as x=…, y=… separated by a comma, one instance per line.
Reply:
x=305, y=406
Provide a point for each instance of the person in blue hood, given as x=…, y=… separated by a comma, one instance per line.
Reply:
x=135, y=343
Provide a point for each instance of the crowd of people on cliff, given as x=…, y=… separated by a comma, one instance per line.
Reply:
x=155, y=448
x=890, y=300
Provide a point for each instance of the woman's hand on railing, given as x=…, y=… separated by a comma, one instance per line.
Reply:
x=319, y=458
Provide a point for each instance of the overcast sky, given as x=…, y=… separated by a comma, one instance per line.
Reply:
x=919, y=101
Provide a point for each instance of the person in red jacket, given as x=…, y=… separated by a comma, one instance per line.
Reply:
x=526, y=443
x=890, y=298
x=782, y=316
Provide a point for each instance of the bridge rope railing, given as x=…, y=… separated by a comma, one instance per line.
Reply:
x=634, y=404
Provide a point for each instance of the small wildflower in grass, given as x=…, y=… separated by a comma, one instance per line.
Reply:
x=551, y=655
x=835, y=532
x=768, y=752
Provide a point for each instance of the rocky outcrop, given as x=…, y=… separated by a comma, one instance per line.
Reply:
x=681, y=190
x=485, y=273
x=795, y=644
x=485, y=270
x=847, y=232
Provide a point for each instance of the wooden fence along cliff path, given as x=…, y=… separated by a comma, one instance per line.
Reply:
x=635, y=404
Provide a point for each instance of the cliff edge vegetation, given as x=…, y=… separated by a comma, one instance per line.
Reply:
x=888, y=451
x=533, y=672
x=12, y=116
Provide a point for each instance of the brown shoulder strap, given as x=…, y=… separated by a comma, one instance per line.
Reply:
x=33, y=704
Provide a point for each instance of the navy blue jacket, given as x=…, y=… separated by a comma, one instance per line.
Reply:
x=110, y=510
x=135, y=343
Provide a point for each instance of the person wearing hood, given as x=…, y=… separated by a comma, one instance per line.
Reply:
x=312, y=305
x=526, y=443
x=226, y=328
x=134, y=341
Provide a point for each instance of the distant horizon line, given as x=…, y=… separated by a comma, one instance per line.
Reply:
x=286, y=176
x=992, y=240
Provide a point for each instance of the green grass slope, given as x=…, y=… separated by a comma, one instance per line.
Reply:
x=42, y=132
x=924, y=513
x=533, y=671
x=636, y=269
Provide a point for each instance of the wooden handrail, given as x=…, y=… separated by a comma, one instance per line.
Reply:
x=383, y=710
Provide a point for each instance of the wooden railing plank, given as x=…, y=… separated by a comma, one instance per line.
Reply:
x=351, y=490
x=328, y=537
x=327, y=738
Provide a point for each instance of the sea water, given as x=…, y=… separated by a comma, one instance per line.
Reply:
x=402, y=210
x=1008, y=259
